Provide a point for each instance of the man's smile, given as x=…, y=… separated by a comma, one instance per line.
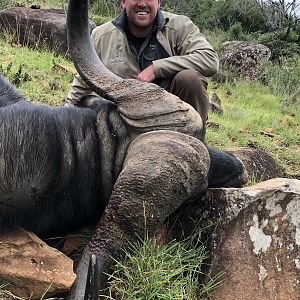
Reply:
x=141, y=13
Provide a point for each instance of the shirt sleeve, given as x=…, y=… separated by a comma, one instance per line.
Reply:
x=77, y=91
x=190, y=49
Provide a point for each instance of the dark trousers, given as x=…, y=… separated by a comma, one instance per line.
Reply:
x=191, y=87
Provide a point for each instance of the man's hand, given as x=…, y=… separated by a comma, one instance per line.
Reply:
x=147, y=75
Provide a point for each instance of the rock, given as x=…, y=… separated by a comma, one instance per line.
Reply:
x=219, y=77
x=259, y=164
x=215, y=104
x=212, y=125
x=257, y=241
x=253, y=236
x=29, y=266
x=243, y=58
x=42, y=28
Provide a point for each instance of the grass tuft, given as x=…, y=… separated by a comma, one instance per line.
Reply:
x=171, y=272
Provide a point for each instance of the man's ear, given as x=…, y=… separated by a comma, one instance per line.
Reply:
x=122, y=2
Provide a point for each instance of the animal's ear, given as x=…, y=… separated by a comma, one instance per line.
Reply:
x=96, y=103
x=226, y=170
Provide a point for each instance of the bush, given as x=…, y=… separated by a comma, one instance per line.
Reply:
x=236, y=32
x=99, y=20
x=216, y=38
x=104, y=8
x=282, y=77
x=201, y=12
x=210, y=14
x=281, y=44
x=5, y=3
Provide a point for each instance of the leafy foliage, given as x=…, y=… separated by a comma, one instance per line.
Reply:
x=282, y=77
x=5, y=3
x=236, y=32
x=273, y=23
x=212, y=14
x=281, y=44
x=104, y=8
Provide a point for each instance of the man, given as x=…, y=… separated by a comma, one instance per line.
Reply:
x=154, y=46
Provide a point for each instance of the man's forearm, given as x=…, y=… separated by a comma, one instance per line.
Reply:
x=204, y=61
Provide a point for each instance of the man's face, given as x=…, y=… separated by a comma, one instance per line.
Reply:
x=140, y=13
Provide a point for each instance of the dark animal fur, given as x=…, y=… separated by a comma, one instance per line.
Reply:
x=50, y=165
x=58, y=164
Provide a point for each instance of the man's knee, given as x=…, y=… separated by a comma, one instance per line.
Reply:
x=191, y=87
x=191, y=79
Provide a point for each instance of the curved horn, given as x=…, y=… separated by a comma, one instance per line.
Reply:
x=142, y=105
x=83, y=53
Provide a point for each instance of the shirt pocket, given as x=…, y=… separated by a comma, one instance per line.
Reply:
x=150, y=54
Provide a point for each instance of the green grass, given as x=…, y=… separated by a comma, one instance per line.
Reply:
x=45, y=76
x=170, y=272
x=254, y=117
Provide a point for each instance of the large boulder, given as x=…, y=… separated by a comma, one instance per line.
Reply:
x=257, y=241
x=254, y=238
x=29, y=267
x=259, y=164
x=243, y=58
x=42, y=28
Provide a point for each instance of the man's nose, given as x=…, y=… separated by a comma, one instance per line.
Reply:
x=142, y=3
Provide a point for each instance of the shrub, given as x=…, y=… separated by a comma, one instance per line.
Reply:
x=216, y=38
x=99, y=20
x=211, y=14
x=5, y=3
x=236, y=32
x=280, y=43
x=104, y=8
x=282, y=77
